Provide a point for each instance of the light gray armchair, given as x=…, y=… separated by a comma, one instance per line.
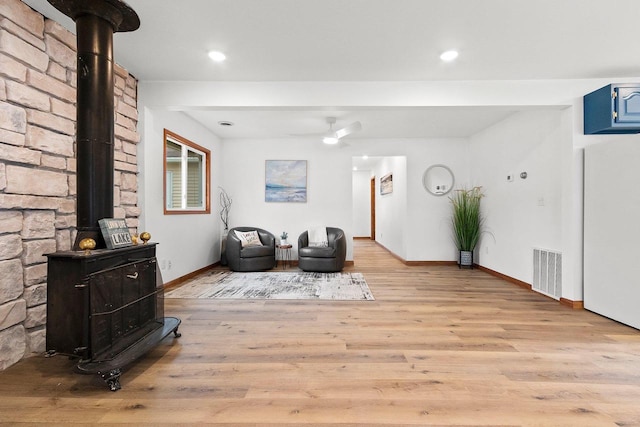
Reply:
x=251, y=258
x=323, y=259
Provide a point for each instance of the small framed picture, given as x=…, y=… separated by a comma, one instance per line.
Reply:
x=386, y=184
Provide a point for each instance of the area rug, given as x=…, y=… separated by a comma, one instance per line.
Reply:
x=276, y=285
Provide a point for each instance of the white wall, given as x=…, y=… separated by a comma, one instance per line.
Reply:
x=391, y=208
x=186, y=242
x=329, y=187
x=524, y=213
x=426, y=227
x=410, y=222
x=407, y=218
x=361, y=204
x=428, y=216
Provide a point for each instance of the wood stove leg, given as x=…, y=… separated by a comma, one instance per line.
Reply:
x=112, y=378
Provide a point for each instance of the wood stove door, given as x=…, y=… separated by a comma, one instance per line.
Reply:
x=122, y=302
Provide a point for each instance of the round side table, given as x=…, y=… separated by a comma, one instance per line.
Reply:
x=284, y=255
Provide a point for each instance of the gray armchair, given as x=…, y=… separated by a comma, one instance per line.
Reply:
x=251, y=258
x=323, y=259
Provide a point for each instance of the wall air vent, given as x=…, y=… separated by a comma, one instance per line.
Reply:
x=547, y=272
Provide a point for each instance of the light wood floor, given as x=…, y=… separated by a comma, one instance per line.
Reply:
x=439, y=346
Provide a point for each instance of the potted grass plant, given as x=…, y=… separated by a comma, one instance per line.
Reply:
x=466, y=221
x=283, y=238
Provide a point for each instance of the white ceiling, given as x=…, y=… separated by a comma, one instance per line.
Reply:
x=373, y=40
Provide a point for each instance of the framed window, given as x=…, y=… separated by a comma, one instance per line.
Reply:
x=187, y=173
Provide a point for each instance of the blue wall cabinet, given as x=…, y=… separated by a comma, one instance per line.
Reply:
x=614, y=108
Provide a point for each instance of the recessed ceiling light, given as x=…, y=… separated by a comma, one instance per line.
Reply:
x=365, y=157
x=225, y=123
x=449, y=55
x=217, y=56
x=355, y=168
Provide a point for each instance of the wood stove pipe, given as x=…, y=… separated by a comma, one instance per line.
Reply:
x=96, y=21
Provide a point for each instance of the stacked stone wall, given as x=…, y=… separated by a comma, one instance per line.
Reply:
x=38, y=166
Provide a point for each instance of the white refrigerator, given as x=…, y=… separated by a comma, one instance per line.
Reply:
x=612, y=229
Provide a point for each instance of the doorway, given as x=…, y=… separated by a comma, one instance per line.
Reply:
x=373, y=208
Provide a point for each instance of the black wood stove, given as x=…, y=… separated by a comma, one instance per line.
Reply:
x=104, y=307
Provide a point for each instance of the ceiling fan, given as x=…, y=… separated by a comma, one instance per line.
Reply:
x=332, y=136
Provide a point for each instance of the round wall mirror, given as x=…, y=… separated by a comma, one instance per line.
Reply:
x=438, y=180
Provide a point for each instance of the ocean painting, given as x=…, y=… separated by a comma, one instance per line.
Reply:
x=286, y=181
